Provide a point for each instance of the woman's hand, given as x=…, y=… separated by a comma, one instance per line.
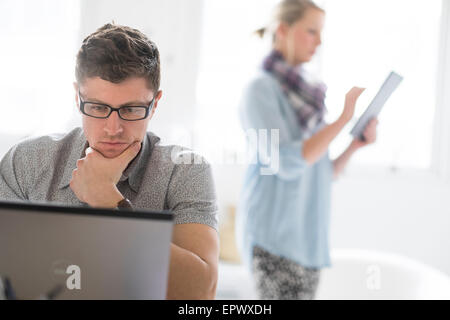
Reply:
x=350, y=102
x=370, y=135
x=315, y=147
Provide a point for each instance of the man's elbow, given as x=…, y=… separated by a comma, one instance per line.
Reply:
x=210, y=287
x=204, y=287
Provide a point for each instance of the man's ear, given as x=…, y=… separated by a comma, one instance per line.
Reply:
x=155, y=104
x=157, y=98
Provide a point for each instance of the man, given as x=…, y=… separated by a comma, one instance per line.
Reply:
x=114, y=162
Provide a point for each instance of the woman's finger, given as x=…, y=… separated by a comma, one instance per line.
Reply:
x=373, y=122
x=370, y=132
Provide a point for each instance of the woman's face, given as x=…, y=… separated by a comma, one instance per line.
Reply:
x=299, y=41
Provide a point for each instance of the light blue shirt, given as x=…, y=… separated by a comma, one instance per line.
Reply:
x=287, y=212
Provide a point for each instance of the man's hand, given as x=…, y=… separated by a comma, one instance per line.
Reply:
x=95, y=178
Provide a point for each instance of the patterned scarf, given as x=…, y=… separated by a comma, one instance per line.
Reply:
x=307, y=99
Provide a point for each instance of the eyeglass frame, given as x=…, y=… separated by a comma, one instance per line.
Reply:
x=111, y=109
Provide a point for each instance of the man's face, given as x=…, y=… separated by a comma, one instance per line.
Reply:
x=113, y=135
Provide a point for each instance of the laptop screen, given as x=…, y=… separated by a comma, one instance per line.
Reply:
x=49, y=251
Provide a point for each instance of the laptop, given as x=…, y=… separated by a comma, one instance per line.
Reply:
x=57, y=252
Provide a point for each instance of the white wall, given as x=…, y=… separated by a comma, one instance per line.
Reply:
x=175, y=27
x=403, y=212
x=407, y=213
x=7, y=141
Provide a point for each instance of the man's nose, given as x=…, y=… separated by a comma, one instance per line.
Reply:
x=113, y=124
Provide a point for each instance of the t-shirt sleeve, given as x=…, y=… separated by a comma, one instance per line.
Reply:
x=260, y=112
x=10, y=182
x=191, y=193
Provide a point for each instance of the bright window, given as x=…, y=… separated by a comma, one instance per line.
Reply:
x=362, y=42
x=230, y=55
x=37, y=62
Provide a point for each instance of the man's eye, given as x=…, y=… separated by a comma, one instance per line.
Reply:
x=98, y=108
x=127, y=110
x=130, y=110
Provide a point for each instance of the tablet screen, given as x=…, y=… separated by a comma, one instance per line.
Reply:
x=374, y=108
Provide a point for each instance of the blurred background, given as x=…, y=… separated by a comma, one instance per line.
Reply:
x=393, y=198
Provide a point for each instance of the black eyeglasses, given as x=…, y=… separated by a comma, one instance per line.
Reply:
x=103, y=111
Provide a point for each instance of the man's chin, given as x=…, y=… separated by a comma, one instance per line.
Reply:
x=111, y=153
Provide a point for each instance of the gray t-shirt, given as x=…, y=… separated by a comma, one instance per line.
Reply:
x=159, y=178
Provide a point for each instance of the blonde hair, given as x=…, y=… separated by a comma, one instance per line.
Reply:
x=289, y=12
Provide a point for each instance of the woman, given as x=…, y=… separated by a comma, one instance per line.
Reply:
x=284, y=216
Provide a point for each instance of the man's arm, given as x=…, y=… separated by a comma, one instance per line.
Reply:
x=195, y=245
x=191, y=196
x=193, y=262
x=10, y=188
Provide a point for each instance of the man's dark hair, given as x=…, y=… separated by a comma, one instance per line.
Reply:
x=115, y=53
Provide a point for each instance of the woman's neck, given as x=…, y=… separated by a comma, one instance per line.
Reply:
x=290, y=59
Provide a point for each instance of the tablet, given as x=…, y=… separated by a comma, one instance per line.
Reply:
x=57, y=252
x=374, y=108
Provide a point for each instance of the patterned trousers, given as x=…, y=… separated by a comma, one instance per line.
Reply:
x=278, y=278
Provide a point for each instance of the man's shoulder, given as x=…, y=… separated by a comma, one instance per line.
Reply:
x=173, y=155
x=35, y=159
x=52, y=139
x=44, y=147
